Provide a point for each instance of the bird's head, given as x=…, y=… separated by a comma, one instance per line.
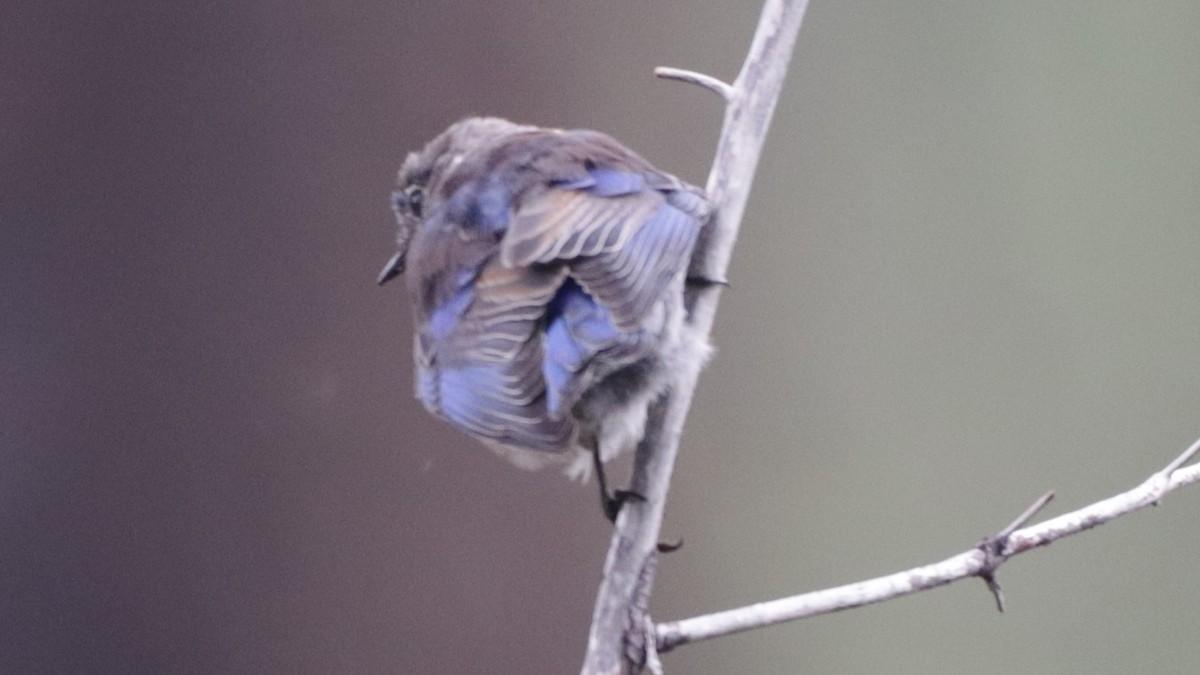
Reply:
x=429, y=177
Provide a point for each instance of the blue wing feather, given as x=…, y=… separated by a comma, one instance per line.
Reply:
x=578, y=328
x=629, y=279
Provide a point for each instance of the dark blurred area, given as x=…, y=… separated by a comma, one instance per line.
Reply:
x=968, y=275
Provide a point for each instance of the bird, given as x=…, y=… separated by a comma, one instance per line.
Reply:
x=546, y=270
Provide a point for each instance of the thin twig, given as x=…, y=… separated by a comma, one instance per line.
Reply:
x=1029, y=513
x=718, y=87
x=1182, y=459
x=981, y=561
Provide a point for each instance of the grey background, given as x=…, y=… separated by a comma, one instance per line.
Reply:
x=968, y=274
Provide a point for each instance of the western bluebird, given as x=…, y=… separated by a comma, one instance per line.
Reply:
x=546, y=271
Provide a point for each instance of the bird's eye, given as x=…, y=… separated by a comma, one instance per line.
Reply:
x=415, y=197
x=408, y=200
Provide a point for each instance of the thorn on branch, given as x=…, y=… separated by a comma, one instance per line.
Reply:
x=994, y=548
x=670, y=546
x=1029, y=513
x=705, y=282
x=722, y=89
x=995, y=588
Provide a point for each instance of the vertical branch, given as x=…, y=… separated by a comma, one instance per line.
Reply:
x=615, y=641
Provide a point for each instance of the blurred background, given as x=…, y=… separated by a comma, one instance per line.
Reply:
x=968, y=274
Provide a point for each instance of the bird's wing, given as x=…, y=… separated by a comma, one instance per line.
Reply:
x=624, y=232
x=623, y=228
x=479, y=358
x=586, y=246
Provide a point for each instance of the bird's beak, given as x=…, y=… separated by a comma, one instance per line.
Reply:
x=393, y=268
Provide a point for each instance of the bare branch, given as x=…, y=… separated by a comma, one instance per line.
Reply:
x=620, y=610
x=981, y=561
